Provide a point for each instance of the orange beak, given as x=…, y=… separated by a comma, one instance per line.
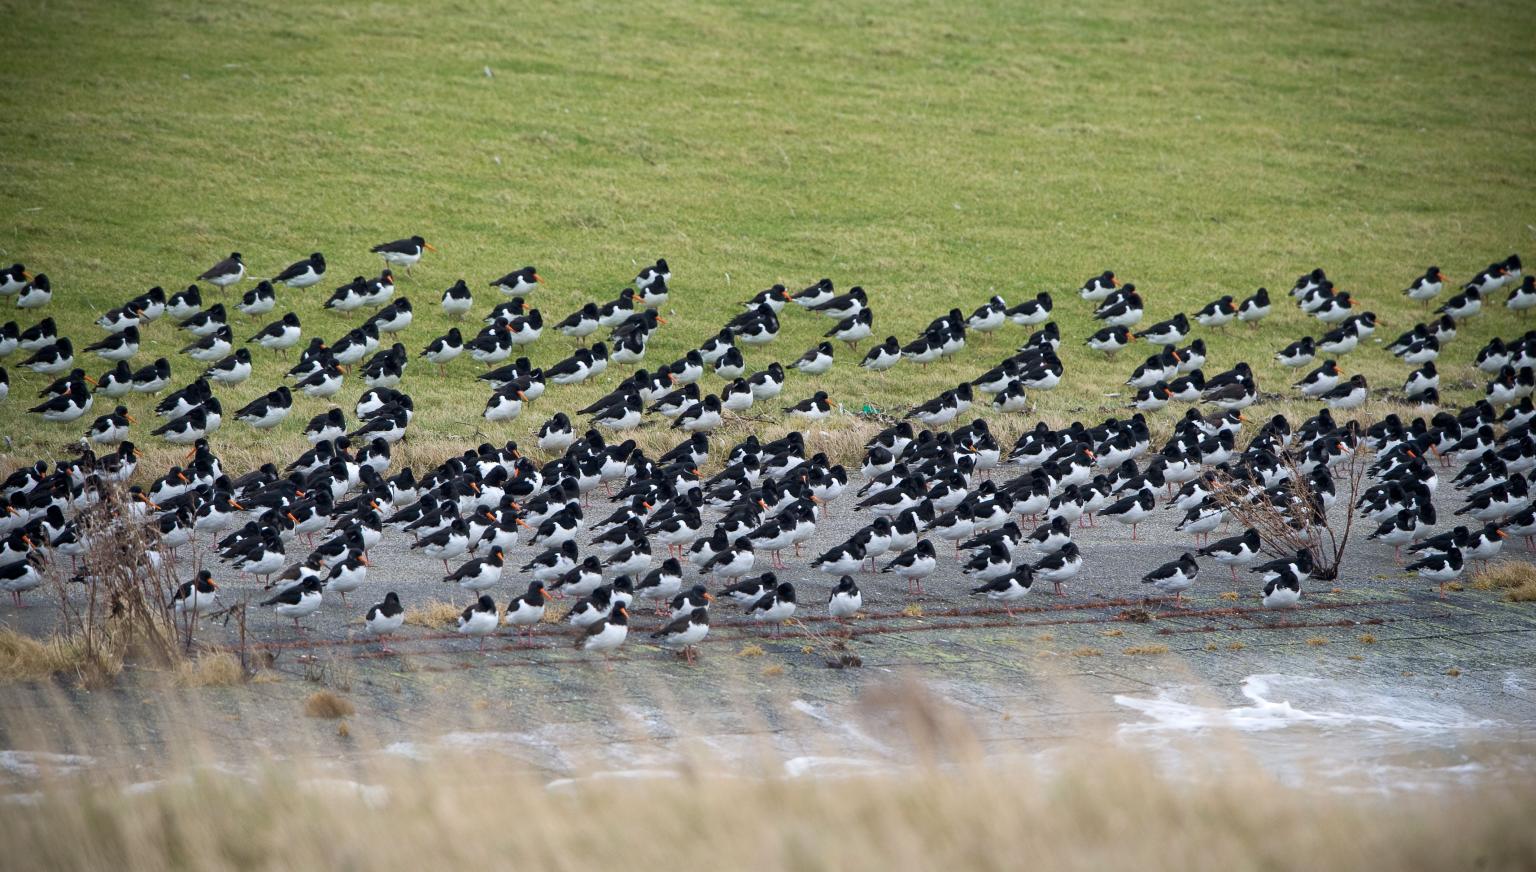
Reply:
x=543, y=593
x=660, y=320
x=429, y=246
x=538, y=278
x=623, y=611
x=130, y=419
x=364, y=560
x=709, y=598
x=91, y=380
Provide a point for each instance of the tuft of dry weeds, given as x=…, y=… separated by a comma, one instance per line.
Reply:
x=1230, y=596
x=1516, y=578
x=751, y=650
x=1112, y=633
x=773, y=670
x=1147, y=650
x=1086, y=651
x=212, y=669
x=913, y=610
x=1317, y=641
x=23, y=658
x=433, y=614
x=1367, y=639
x=327, y=705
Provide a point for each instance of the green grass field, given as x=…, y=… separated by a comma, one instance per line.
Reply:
x=932, y=153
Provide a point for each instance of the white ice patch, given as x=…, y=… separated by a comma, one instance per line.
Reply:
x=32, y=764
x=1281, y=701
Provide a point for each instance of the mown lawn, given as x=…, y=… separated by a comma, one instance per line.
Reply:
x=932, y=153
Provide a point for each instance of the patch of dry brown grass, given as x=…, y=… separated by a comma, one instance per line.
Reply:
x=1147, y=650
x=212, y=669
x=433, y=614
x=1515, y=577
x=23, y=658
x=324, y=704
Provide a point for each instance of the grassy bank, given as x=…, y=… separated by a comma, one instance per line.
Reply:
x=1115, y=813
x=934, y=155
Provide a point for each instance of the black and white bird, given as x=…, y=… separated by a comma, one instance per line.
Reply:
x=1255, y=308
x=883, y=356
x=684, y=632
x=298, y=601
x=1008, y=589
x=816, y=408
x=385, y=618
x=1350, y=395
x=403, y=252
x=815, y=361
x=480, y=619
x=266, y=412
x=258, y=300
x=197, y=596
x=527, y=611
x=226, y=272
x=1031, y=312
x=1427, y=286
x=303, y=273
x=1099, y=287
x=846, y=600
x=1298, y=353
x=1060, y=567
x=914, y=565
x=1234, y=551
x=36, y=294
x=518, y=282
x=657, y=272
x=13, y=278
x=280, y=334
x=118, y=346
x=1439, y=568
x=1175, y=576
x=775, y=607
x=607, y=634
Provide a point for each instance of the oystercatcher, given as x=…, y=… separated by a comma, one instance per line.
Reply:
x=224, y=273
x=303, y=273
x=403, y=252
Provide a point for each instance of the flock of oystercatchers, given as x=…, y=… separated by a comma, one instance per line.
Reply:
x=924, y=485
